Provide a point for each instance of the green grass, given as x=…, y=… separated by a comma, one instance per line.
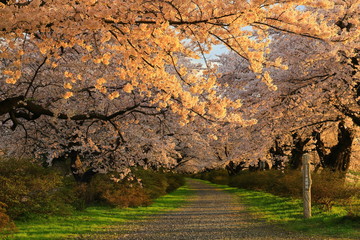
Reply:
x=95, y=220
x=354, y=173
x=288, y=213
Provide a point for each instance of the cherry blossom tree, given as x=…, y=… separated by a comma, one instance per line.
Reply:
x=94, y=80
x=315, y=93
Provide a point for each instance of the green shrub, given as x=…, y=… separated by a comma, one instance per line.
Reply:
x=329, y=188
x=218, y=176
x=174, y=181
x=6, y=224
x=126, y=196
x=128, y=192
x=155, y=183
x=244, y=180
x=272, y=181
x=124, y=193
x=159, y=183
x=79, y=195
x=29, y=189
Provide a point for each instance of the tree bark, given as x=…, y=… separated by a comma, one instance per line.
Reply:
x=298, y=151
x=277, y=155
x=338, y=159
x=79, y=174
x=234, y=169
x=320, y=149
x=339, y=156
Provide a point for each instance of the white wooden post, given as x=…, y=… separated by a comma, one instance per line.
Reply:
x=306, y=185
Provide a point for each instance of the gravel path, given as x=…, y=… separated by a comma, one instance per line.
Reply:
x=210, y=214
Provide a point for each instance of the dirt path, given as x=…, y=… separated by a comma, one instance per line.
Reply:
x=210, y=214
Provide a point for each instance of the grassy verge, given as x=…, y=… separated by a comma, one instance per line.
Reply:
x=287, y=213
x=95, y=220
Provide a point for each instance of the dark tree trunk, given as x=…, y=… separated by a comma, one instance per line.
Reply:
x=277, y=155
x=298, y=151
x=260, y=166
x=234, y=169
x=263, y=165
x=339, y=156
x=338, y=160
x=79, y=174
x=74, y=169
x=320, y=149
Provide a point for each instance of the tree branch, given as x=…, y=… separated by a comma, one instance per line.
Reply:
x=14, y=105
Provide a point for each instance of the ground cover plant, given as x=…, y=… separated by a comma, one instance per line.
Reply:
x=287, y=212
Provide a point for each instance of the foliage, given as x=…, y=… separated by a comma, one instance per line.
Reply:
x=106, y=190
x=123, y=193
x=31, y=191
x=218, y=176
x=6, y=224
x=103, y=221
x=174, y=181
x=273, y=181
x=290, y=120
x=329, y=188
x=157, y=183
x=139, y=188
x=98, y=79
x=28, y=189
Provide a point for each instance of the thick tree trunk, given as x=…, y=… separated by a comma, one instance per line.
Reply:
x=260, y=166
x=339, y=157
x=338, y=160
x=80, y=174
x=320, y=149
x=234, y=169
x=277, y=155
x=298, y=151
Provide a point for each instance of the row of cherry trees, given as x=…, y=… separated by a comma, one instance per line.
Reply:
x=315, y=108
x=111, y=84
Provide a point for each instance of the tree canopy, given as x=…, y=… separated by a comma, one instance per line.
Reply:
x=77, y=75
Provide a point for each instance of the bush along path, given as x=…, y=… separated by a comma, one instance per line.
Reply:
x=94, y=222
x=210, y=213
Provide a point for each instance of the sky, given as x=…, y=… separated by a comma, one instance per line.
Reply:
x=217, y=50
